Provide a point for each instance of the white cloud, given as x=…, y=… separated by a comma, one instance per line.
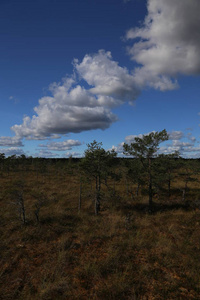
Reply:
x=183, y=147
x=175, y=135
x=7, y=141
x=62, y=120
x=191, y=138
x=61, y=146
x=118, y=149
x=73, y=108
x=45, y=154
x=107, y=78
x=169, y=42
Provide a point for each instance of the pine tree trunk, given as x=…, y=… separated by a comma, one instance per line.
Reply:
x=127, y=187
x=37, y=211
x=184, y=190
x=80, y=196
x=97, y=195
x=114, y=187
x=169, y=188
x=183, y=195
x=150, y=192
x=23, y=210
x=97, y=203
x=137, y=190
x=150, y=186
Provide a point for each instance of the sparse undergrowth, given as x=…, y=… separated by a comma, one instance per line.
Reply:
x=123, y=253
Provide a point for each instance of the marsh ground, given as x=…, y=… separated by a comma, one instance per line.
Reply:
x=123, y=253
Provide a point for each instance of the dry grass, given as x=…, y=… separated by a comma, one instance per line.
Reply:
x=124, y=253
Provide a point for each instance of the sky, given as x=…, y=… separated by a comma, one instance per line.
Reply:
x=74, y=71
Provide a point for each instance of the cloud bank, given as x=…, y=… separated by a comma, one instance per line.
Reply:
x=61, y=146
x=10, y=141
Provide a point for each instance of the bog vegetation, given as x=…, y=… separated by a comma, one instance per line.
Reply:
x=101, y=227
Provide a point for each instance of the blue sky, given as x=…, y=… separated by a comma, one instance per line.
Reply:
x=73, y=71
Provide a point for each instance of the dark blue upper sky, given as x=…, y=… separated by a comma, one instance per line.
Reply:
x=40, y=38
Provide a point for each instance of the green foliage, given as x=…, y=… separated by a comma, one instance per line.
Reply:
x=97, y=160
x=2, y=156
x=147, y=146
x=145, y=149
x=166, y=166
x=96, y=164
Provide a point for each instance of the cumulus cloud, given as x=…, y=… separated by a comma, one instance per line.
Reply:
x=69, y=110
x=45, y=154
x=182, y=146
x=61, y=146
x=166, y=44
x=108, y=79
x=118, y=149
x=169, y=42
x=190, y=137
x=7, y=141
x=74, y=108
x=176, y=135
